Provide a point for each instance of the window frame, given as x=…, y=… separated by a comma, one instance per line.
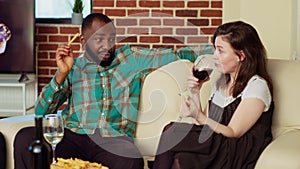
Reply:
x=57, y=20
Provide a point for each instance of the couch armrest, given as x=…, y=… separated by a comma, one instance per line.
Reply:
x=9, y=127
x=282, y=152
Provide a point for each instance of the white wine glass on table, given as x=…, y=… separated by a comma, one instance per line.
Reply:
x=53, y=128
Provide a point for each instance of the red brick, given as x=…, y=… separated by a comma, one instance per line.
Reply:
x=173, y=40
x=126, y=22
x=162, y=13
x=173, y=4
x=150, y=22
x=216, y=4
x=197, y=39
x=69, y=30
x=43, y=71
x=216, y=22
x=197, y=4
x=126, y=3
x=211, y=13
x=46, y=63
x=174, y=22
x=126, y=39
x=48, y=46
x=207, y=30
x=115, y=12
x=198, y=22
x=138, y=13
x=96, y=10
x=138, y=31
x=40, y=38
x=186, y=31
x=150, y=39
x=43, y=55
x=149, y=3
x=120, y=31
x=58, y=38
x=103, y=3
x=47, y=30
x=162, y=31
x=186, y=13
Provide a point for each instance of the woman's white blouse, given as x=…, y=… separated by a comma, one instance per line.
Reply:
x=256, y=88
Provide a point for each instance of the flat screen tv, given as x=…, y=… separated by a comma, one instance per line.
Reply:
x=17, y=54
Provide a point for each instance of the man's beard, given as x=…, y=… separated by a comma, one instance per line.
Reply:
x=95, y=58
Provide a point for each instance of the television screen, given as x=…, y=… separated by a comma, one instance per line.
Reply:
x=17, y=26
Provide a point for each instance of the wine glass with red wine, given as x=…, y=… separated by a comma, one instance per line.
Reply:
x=203, y=67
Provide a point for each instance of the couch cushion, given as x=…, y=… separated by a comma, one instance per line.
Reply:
x=283, y=152
x=286, y=79
x=159, y=103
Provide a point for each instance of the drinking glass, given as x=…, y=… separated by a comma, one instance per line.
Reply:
x=53, y=129
x=203, y=67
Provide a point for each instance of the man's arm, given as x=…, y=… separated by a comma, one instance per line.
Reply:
x=191, y=53
x=53, y=95
x=155, y=57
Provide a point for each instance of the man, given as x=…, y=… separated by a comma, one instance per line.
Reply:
x=102, y=88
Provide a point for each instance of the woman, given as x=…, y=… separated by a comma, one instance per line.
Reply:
x=236, y=127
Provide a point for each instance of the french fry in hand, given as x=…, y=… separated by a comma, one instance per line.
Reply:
x=72, y=40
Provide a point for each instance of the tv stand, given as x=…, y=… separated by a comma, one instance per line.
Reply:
x=17, y=98
x=23, y=78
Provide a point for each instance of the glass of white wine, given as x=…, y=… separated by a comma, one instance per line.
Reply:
x=53, y=129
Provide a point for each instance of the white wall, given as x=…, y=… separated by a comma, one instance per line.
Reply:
x=277, y=22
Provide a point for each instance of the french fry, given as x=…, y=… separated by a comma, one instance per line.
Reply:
x=72, y=40
x=76, y=164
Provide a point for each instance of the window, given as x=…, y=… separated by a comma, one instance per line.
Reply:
x=55, y=11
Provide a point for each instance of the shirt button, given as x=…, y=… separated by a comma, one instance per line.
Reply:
x=103, y=85
x=50, y=100
x=85, y=83
x=102, y=114
x=104, y=98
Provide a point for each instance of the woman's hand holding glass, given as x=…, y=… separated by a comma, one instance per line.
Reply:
x=190, y=104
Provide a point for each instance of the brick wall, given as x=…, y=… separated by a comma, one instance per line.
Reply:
x=149, y=23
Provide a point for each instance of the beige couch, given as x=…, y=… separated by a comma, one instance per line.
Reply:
x=160, y=104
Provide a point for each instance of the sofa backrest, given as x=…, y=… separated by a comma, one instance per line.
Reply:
x=286, y=80
x=160, y=103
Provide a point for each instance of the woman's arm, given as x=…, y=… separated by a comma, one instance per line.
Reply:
x=244, y=117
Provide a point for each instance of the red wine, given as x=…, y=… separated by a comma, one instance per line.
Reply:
x=202, y=74
x=40, y=150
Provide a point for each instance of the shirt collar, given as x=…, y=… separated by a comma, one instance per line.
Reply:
x=121, y=54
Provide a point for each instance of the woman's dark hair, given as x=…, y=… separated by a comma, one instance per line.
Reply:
x=88, y=20
x=243, y=37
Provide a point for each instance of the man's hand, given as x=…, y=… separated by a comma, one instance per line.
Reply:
x=64, y=60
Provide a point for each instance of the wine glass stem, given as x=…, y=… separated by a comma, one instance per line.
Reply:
x=53, y=154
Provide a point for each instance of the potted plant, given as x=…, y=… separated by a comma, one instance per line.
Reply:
x=77, y=15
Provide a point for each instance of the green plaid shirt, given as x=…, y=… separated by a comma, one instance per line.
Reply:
x=108, y=98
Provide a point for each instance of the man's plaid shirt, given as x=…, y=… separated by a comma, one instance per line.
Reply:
x=108, y=98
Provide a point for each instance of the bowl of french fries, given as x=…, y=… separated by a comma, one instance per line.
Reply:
x=76, y=164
